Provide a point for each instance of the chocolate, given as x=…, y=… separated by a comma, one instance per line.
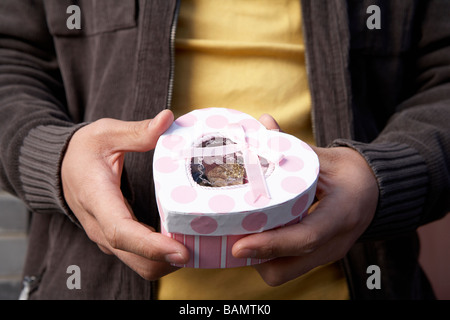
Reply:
x=225, y=174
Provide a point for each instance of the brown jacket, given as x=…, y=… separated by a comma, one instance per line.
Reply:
x=384, y=92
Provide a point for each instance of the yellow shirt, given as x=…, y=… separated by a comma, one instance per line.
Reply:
x=244, y=55
x=248, y=56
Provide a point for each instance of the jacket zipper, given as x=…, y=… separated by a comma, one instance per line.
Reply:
x=173, y=31
x=308, y=74
x=28, y=284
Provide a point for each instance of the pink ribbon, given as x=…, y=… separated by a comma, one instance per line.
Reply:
x=252, y=165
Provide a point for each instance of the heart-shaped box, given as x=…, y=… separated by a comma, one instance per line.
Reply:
x=276, y=176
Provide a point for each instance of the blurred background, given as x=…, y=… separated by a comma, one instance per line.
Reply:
x=13, y=245
x=435, y=253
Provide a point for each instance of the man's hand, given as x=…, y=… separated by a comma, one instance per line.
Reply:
x=347, y=194
x=91, y=174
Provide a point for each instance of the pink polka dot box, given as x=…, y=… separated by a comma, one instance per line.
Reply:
x=220, y=175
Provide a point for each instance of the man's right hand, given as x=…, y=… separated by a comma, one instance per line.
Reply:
x=91, y=174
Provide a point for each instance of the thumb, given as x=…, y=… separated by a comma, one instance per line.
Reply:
x=137, y=136
x=269, y=122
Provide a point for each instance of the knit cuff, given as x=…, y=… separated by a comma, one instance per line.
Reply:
x=40, y=162
x=402, y=177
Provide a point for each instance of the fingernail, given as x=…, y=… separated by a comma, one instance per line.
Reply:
x=155, y=119
x=176, y=258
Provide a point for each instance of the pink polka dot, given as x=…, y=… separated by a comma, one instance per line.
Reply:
x=216, y=121
x=254, y=221
x=204, y=225
x=166, y=165
x=279, y=143
x=173, y=141
x=188, y=120
x=261, y=202
x=183, y=194
x=294, y=185
x=250, y=124
x=300, y=205
x=292, y=163
x=221, y=203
